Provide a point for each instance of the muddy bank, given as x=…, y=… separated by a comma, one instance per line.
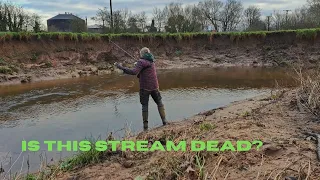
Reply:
x=273, y=119
x=23, y=61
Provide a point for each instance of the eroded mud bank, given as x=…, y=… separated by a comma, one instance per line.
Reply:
x=33, y=60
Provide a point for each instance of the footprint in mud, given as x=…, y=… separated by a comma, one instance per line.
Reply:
x=270, y=150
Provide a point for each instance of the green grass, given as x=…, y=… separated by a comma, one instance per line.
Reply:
x=3, y=62
x=178, y=53
x=14, y=68
x=310, y=34
x=200, y=163
x=48, y=64
x=34, y=57
x=234, y=36
x=80, y=160
x=246, y=114
x=84, y=158
x=5, y=70
x=206, y=127
x=31, y=177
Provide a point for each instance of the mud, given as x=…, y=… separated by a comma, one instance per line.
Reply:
x=274, y=120
x=37, y=60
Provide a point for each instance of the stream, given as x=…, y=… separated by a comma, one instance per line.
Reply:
x=74, y=109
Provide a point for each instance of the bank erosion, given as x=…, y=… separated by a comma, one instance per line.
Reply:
x=27, y=57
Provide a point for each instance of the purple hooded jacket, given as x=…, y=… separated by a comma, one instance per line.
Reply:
x=147, y=74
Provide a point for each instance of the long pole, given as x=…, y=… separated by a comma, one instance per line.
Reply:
x=268, y=22
x=111, y=16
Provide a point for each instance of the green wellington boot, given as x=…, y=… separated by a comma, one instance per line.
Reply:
x=163, y=115
x=145, y=120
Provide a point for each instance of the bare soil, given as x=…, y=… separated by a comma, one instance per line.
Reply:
x=275, y=120
x=37, y=60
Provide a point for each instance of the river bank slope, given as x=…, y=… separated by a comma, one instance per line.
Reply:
x=33, y=57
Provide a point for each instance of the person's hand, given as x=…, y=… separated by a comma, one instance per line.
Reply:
x=118, y=65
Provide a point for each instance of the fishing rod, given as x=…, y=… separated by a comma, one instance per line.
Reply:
x=123, y=50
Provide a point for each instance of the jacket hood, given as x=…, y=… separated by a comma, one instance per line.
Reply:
x=148, y=57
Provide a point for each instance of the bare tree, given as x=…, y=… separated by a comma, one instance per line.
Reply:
x=102, y=17
x=142, y=20
x=231, y=15
x=300, y=18
x=175, y=17
x=278, y=20
x=223, y=15
x=211, y=10
x=252, y=18
x=126, y=14
x=120, y=20
x=159, y=18
x=194, y=20
x=314, y=9
x=133, y=25
x=27, y=22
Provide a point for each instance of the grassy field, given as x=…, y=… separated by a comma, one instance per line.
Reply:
x=308, y=34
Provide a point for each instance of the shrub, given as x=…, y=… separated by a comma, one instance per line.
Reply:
x=5, y=70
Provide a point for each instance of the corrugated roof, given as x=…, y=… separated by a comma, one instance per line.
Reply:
x=64, y=16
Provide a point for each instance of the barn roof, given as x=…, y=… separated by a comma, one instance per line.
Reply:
x=64, y=16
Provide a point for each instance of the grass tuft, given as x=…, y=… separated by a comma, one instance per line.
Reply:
x=84, y=158
x=3, y=62
x=206, y=127
x=31, y=177
x=5, y=70
x=246, y=114
x=308, y=95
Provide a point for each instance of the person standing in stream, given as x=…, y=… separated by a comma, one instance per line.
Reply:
x=145, y=69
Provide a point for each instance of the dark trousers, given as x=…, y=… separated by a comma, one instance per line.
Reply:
x=144, y=98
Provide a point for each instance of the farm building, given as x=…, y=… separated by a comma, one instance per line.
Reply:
x=66, y=23
x=95, y=29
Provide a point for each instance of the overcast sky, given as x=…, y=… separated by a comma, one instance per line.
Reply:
x=83, y=8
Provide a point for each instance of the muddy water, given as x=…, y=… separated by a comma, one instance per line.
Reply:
x=75, y=109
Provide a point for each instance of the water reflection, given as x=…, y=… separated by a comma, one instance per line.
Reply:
x=13, y=97
x=61, y=96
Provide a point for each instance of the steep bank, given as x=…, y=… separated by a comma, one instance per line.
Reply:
x=28, y=57
x=275, y=120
